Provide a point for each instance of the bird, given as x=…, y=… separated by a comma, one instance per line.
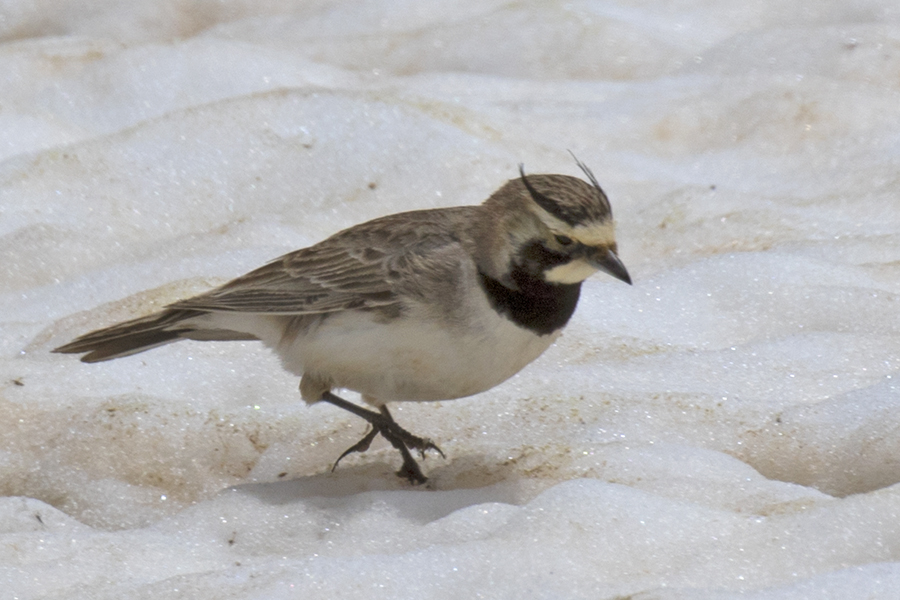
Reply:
x=426, y=305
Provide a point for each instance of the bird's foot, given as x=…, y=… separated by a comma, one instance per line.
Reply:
x=414, y=442
x=383, y=423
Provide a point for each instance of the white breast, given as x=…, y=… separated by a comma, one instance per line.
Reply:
x=412, y=358
x=409, y=359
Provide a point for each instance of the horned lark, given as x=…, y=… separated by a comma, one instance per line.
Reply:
x=423, y=305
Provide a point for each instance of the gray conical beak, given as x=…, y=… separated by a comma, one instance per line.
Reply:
x=606, y=260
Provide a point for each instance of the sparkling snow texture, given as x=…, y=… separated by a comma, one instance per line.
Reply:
x=727, y=427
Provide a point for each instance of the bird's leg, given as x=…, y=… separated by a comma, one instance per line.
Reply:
x=383, y=423
x=410, y=468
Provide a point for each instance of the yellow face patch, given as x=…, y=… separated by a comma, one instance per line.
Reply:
x=575, y=271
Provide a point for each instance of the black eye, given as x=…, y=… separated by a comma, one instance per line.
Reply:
x=563, y=240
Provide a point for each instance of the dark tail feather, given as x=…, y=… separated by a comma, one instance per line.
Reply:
x=131, y=337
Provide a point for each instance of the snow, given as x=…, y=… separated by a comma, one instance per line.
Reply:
x=725, y=428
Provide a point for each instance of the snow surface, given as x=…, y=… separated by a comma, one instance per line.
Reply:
x=728, y=427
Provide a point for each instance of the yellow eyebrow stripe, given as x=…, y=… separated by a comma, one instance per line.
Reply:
x=599, y=234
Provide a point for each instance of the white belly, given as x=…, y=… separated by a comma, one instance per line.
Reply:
x=411, y=358
x=408, y=359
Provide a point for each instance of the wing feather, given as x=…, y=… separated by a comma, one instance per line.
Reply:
x=360, y=267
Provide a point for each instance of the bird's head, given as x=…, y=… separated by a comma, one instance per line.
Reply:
x=554, y=227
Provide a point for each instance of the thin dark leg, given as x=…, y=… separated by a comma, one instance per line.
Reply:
x=383, y=423
x=410, y=468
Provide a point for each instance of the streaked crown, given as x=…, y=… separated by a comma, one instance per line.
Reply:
x=569, y=199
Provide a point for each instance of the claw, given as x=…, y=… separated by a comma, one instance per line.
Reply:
x=360, y=446
x=421, y=445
